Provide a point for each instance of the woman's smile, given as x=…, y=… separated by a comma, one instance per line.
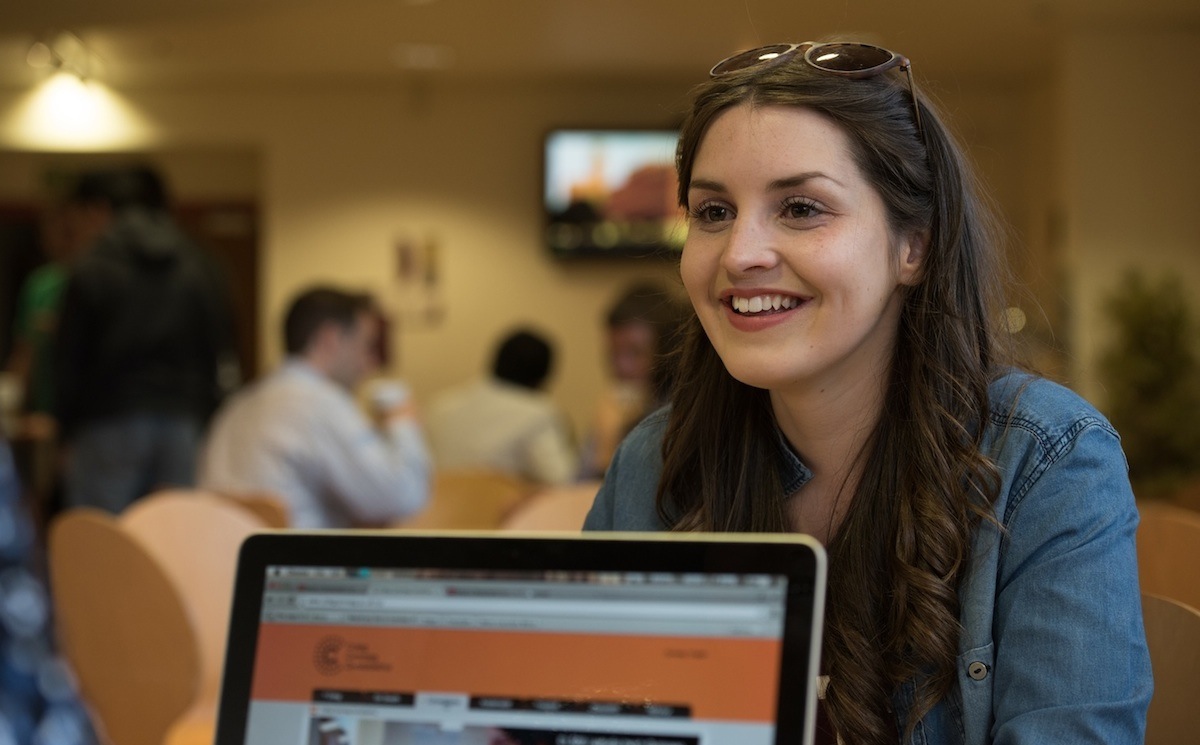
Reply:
x=757, y=311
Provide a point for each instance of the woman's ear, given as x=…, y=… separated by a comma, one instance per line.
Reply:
x=912, y=257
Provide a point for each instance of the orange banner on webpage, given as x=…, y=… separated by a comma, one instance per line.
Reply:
x=723, y=679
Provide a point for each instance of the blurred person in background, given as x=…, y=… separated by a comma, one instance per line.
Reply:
x=30, y=402
x=641, y=329
x=506, y=422
x=36, y=322
x=145, y=328
x=300, y=434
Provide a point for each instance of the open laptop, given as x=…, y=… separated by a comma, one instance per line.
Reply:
x=523, y=639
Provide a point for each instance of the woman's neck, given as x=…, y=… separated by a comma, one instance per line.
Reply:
x=828, y=425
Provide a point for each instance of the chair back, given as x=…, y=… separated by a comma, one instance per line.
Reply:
x=195, y=537
x=554, y=508
x=269, y=508
x=469, y=500
x=1173, y=635
x=123, y=627
x=1168, y=549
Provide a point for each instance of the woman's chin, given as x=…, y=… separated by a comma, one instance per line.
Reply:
x=758, y=377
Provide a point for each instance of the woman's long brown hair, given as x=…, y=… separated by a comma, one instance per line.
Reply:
x=897, y=559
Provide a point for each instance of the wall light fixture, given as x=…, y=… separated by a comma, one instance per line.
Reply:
x=64, y=52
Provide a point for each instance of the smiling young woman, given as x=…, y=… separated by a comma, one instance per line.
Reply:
x=842, y=378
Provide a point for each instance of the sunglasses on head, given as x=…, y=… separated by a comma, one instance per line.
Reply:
x=844, y=58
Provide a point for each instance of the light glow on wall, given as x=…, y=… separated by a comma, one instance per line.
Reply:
x=66, y=113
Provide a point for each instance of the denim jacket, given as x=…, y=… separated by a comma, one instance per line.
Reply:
x=1052, y=647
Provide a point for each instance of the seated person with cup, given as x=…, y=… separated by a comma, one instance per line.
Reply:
x=300, y=434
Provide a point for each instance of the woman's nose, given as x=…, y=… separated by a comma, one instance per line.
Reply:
x=750, y=247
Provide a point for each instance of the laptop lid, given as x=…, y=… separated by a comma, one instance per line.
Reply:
x=523, y=639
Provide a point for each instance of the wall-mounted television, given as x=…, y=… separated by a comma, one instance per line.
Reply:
x=612, y=193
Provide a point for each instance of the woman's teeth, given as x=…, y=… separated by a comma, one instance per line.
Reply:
x=763, y=303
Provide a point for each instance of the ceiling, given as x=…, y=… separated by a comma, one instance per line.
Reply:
x=186, y=42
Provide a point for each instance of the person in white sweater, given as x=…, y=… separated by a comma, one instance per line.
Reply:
x=300, y=434
x=506, y=422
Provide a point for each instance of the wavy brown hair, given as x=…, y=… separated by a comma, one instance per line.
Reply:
x=896, y=561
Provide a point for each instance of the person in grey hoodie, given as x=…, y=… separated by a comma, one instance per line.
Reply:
x=145, y=328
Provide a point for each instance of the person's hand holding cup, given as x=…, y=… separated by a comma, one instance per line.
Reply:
x=390, y=400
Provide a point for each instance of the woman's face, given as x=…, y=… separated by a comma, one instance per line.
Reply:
x=789, y=260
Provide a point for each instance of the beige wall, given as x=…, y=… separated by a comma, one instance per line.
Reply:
x=1130, y=151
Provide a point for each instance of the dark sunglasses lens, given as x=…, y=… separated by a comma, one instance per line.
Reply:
x=848, y=57
x=750, y=58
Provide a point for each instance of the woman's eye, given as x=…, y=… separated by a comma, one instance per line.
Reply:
x=711, y=213
x=799, y=210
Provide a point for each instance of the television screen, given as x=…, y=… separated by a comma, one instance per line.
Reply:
x=612, y=193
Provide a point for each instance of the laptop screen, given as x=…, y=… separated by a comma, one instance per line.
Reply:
x=487, y=654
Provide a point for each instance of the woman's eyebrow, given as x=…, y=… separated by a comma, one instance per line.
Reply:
x=799, y=179
x=706, y=185
x=787, y=182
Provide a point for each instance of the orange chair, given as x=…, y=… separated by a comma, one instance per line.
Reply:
x=469, y=500
x=196, y=537
x=1173, y=635
x=123, y=626
x=189, y=540
x=269, y=508
x=554, y=508
x=1168, y=548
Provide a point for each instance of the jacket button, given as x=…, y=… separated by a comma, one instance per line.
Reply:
x=977, y=670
